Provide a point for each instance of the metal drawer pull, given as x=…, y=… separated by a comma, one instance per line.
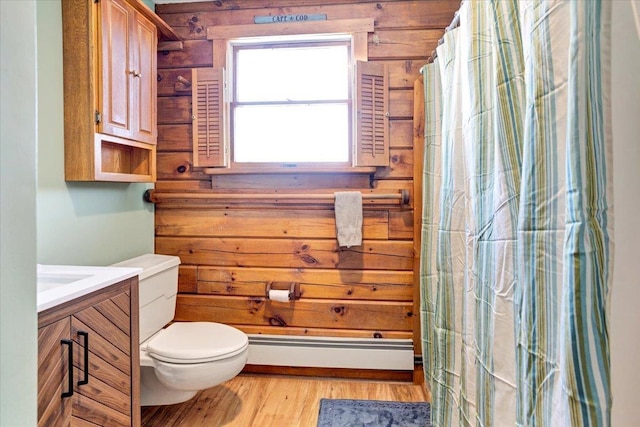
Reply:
x=70, y=363
x=85, y=380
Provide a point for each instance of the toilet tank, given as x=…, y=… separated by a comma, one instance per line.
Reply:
x=157, y=292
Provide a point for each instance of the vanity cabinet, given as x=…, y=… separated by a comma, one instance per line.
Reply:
x=110, y=86
x=89, y=361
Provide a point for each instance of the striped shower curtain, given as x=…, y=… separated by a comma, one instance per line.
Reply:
x=517, y=220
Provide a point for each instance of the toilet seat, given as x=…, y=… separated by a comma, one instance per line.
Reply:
x=196, y=342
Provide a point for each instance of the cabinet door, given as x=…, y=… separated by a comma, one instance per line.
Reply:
x=106, y=398
x=53, y=374
x=143, y=83
x=115, y=86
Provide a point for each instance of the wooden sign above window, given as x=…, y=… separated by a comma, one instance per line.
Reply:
x=279, y=19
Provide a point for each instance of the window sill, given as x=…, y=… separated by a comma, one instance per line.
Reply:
x=286, y=170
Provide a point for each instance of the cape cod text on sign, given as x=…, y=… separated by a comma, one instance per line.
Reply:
x=270, y=19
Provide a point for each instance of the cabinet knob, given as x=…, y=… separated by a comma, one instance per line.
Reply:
x=135, y=73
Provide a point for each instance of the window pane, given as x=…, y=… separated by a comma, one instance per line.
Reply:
x=292, y=73
x=291, y=133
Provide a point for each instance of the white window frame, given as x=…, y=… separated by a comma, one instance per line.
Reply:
x=370, y=78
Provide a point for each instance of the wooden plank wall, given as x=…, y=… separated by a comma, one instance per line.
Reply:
x=230, y=252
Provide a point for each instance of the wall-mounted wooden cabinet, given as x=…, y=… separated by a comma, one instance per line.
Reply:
x=88, y=359
x=110, y=80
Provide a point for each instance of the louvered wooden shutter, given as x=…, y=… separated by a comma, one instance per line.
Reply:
x=372, y=119
x=208, y=117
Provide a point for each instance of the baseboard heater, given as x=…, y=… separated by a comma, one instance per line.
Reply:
x=331, y=352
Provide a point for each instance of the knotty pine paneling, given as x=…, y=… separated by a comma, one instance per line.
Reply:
x=196, y=53
x=288, y=253
x=173, y=165
x=230, y=252
x=402, y=73
x=377, y=291
x=330, y=314
x=314, y=283
x=184, y=185
x=402, y=44
x=284, y=223
x=188, y=279
x=401, y=165
x=174, y=110
x=401, y=225
x=401, y=132
x=290, y=182
x=248, y=5
x=401, y=104
x=387, y=14
x=178, y=165
x=175, y=137
x=168, y=83
x=324, y=332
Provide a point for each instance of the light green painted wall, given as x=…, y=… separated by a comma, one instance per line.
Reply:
x=18, y=319
x=150, y=3
x=78, y=223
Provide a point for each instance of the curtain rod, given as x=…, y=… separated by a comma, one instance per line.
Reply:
x=455, y=23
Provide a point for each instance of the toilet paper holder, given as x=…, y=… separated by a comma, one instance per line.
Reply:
x=292, y=287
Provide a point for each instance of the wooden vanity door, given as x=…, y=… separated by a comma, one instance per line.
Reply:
x=53, y=374
x=102, y=330
x=106, y=398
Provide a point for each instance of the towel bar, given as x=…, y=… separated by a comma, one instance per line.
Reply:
x=155, y=196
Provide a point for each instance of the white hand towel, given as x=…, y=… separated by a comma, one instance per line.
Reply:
x=348, y=207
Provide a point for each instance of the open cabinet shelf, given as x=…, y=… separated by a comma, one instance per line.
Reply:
x=128, y=161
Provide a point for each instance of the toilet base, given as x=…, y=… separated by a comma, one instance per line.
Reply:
x=164, y=383
x=154, y=393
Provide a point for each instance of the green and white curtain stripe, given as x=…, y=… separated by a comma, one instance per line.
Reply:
x=430, y=215
x=517, y=220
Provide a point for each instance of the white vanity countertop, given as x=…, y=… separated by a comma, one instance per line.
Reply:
x=58, y=284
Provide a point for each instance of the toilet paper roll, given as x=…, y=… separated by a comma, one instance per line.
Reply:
x=279, y=295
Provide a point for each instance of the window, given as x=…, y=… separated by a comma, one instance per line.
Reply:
x=301, y=99
x=283, y=96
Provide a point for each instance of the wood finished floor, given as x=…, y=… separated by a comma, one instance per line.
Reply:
x=260, y=400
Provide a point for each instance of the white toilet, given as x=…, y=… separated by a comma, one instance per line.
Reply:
x=178, y=361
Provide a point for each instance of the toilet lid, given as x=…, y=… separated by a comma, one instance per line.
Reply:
x=197, y=342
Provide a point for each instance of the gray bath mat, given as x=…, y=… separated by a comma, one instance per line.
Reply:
x=373, y=413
